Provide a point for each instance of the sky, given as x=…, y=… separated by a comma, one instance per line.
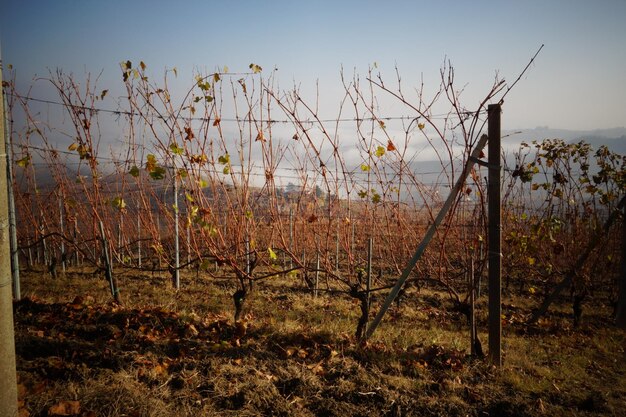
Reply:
x=577, y=82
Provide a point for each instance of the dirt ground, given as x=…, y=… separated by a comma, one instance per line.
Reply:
x=168, y=353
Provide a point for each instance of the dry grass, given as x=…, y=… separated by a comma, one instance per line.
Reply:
x=168, y=353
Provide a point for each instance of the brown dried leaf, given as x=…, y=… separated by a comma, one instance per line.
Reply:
x=65, y=408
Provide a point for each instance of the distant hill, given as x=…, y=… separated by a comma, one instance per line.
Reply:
x=614, y=138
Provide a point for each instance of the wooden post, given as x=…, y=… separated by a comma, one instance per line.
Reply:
x=176, y=242
x=62, y=230
x=481, y=246
x=188, y=246
x=317, y=274
x=472, y=315
x=337, y=250
x=291, y=248
x=139, y=240
x=495, y=243
x=247, y=257
x=620, y=318
x=368, y=283
x=8, y=378
x=120, y=239
x=75, y=237
x=108, y=270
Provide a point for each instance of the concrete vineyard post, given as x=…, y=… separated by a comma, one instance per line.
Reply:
x=8, y=375
x=15, y=265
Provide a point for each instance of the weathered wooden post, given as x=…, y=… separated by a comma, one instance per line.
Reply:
x=495, y=243
x=176, y=242
x=138, y=239
x=368, y=283
x=62, y=231
x=108, y=270
x=472, y=315
x=291, y=248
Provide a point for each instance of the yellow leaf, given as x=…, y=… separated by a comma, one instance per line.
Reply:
x=72, y=147
x=272, y=254
x=23, y=163
x=421, y=126
x=255, y=68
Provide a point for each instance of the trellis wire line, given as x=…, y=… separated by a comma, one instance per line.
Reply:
x=96, y=110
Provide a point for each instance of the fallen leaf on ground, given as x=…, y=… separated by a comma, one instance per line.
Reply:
x=65, y=408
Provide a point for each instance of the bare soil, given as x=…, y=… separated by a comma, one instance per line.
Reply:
x=168, y=353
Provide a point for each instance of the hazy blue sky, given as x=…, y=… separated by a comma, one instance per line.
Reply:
x=577, y=82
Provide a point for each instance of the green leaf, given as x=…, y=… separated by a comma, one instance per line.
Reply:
x=119, y=203
x=226, y=170
x=189, y=198
x=380, y=151
x=176, y=150
x=202, y=183
x=224, y=159
x=365, y=167
x=134, y=171
x=362, y=193
x=158, y=173
x=272, y=254
x=375, y=198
